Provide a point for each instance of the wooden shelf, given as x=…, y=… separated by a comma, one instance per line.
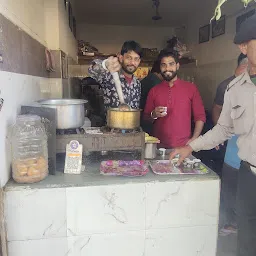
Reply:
x=86, y=60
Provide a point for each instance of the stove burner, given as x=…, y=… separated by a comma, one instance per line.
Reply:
x=69, y=131
x=116, y=130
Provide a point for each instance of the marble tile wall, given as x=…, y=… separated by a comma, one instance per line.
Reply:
x=150, y=219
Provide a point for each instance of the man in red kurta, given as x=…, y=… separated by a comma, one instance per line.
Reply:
x=171, y=105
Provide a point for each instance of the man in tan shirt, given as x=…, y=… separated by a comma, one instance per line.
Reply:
x=238, y=117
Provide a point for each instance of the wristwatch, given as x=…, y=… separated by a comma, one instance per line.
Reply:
x=151, y=114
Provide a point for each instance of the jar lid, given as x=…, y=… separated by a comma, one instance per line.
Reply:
x=27, y=118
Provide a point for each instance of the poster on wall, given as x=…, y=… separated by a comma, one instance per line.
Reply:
x=204, y=34
x=218, y=27
x=242, y=18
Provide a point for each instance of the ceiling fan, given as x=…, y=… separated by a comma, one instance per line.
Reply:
x=156, y=4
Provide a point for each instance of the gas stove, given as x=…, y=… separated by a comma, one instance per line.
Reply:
x=69, y=131
x=102, y=139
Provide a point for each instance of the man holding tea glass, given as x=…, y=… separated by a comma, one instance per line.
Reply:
x=171, y=105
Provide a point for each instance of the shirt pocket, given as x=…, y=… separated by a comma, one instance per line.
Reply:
x=240, y=120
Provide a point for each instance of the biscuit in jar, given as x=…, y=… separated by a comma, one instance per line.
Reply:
x=33, y=171
x=22, y=170
x=30, y=161
x=41, y=163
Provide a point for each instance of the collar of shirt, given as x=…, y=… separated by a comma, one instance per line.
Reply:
x=240, y=80
x=124, y=78
x=175, y=83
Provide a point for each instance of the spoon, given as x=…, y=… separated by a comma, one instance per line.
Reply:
x=123, y=105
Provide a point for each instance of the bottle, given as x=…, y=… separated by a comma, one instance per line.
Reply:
x=29, y=150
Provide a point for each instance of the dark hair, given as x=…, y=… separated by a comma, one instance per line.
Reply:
x=168, y=53
x=156, y=67
x=131, y=46
x=241, y=57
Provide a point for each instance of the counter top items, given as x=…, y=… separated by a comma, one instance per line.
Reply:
x=165, y=167
x=73, y=159
x=162, y=151
x=151, y=139
x=124, y=168
x=29, y=150
x=150, y=146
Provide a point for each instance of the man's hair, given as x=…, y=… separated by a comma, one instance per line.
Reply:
x=168, y=53
x=131, y=46
x=240, y=58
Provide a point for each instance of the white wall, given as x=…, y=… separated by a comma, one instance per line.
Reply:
x=57, y=31
x=51, y=19
x=109, y=39
x=67, y=41
x=216, y=58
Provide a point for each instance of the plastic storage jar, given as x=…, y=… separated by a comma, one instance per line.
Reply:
x=29, y=150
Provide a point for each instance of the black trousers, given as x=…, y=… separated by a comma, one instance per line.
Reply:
x=246, y=211
x=228, y=193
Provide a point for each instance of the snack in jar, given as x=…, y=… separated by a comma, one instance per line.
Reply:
x=29, y=150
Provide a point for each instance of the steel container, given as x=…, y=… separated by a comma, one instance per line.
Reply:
x=70, y=113
x=120, y=119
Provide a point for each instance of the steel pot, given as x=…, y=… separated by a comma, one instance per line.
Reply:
x=70, y=112
x=128, y=119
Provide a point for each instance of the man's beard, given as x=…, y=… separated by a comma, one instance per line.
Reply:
x=129, y=69
x=169, y=78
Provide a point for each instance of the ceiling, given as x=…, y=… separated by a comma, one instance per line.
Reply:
x=134, y=12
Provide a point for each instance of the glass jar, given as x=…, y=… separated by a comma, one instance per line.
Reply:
x=29, y=150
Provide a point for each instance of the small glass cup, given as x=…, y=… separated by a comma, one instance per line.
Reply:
x=196, y=163
x=165, y=110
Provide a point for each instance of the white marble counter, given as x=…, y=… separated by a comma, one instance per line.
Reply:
x=94, y=215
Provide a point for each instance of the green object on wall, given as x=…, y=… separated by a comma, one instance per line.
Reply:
x=217, y=12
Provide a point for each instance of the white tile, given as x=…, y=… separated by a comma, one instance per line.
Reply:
x=181, y=204
x=43, y=247
x=115, y=244
x=104, y=209
x=190, y=241
x=15, y=89
x=35, y=214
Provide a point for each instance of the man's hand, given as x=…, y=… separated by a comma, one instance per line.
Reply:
x=183, y=153
x=218, y=147
x=112, y=64
x=159, y=112
x=193, y=138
